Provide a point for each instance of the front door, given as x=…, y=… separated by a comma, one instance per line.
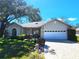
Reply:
x=36, y=32
x=14, y=32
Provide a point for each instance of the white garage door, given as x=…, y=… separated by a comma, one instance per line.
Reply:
x=55, y=35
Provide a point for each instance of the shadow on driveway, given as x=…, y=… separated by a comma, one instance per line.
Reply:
x=46, y=48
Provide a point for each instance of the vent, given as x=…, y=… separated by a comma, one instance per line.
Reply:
x=36, y=23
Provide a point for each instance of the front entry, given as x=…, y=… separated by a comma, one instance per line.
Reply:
x=36, y=32
x=14, y=32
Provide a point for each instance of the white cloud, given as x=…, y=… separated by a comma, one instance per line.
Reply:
x=60, y=19
x=72, y=19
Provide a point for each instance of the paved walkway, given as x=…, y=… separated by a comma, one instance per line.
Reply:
x=61, y=50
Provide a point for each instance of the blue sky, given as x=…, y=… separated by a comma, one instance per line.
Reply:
x=57, y=8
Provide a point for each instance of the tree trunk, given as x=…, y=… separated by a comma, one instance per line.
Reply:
x=2, y=29
x=3, y=25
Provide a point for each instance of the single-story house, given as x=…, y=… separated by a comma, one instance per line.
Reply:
x=77, y=31
x=51, y=30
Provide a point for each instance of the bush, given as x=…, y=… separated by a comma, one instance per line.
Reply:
x=15, y=48
x=17, y=37
x=22, y=36
x=41, y=42
x=71, y=35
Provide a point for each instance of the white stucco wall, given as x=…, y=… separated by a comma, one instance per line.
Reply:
x=17, y=27
x=53, y=26
x=28, y=31
x=77, y=31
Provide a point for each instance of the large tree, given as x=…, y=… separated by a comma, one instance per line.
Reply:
x=14, y=9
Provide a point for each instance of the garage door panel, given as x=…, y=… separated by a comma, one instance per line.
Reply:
x=55, y=35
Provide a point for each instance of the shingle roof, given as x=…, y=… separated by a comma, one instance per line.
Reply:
x=33, y=24
x=41, y=23
x=69, y=26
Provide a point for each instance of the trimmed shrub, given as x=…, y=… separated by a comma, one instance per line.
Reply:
x=71, y=35
x=41, y=42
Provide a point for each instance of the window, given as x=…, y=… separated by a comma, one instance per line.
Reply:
x=36, y=23
x=61, y=31
x=64, y=31
x=55, y=31
x=45, y=31
x=50, y=31
x=58, y=31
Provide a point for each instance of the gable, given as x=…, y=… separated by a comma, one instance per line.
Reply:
x=14, y=26
x=55, y=25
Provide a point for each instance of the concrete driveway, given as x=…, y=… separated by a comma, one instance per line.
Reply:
x=61, y=50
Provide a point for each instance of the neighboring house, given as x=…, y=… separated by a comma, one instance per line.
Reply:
x=0, y=24
x=51, y=30
x=77, y=31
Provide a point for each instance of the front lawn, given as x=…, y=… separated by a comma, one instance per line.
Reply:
x=13, y=48
x=78, y=38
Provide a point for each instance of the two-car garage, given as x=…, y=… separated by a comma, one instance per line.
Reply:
x=54, y=30
x=60, y=35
